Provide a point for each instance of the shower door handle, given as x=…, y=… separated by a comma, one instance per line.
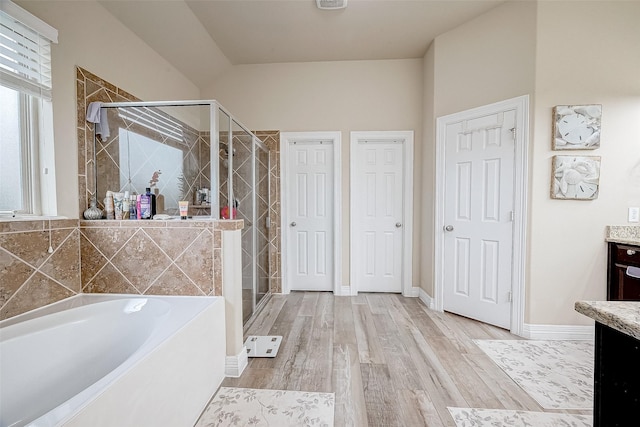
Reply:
x=293, y=224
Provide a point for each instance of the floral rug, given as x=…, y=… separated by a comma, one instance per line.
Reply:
x=557, y=374
x=472, y=417
x=274, y=408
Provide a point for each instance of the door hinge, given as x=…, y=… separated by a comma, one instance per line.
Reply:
x=509, y=296
x=512, y=216
x=513, y=133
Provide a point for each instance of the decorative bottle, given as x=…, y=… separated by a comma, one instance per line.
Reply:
x=93, y=212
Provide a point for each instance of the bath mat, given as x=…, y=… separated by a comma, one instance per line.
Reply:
x=557, y=374
x=233, y=406
x=468, y=417
x=262, y=346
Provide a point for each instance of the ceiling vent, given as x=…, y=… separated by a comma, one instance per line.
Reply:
x=331, y=4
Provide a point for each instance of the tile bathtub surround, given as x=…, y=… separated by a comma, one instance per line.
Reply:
x=153, y=257
x=30, y=276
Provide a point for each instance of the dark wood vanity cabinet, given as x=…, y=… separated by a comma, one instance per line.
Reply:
x=623, y=272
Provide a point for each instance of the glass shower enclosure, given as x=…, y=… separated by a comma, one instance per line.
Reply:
x=195, y=151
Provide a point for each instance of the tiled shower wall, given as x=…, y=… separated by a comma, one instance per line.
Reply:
x=272, y=140
x=92, y=88
x=30, y=276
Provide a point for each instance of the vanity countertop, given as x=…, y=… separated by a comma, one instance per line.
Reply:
x=623, y=316
x=626, y=234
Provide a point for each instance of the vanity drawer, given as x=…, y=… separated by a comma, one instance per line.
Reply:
x=623, y=272
x=626, y=254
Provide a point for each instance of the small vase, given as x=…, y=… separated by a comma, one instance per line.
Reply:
x=93, y=212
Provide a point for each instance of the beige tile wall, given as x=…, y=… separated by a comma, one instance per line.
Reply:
x=271, y=139
x=134, y=257
x=159, y=257
x=30, y=276
x=152, y=257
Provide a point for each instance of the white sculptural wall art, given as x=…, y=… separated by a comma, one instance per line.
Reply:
x=575, y=177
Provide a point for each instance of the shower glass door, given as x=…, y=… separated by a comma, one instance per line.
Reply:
x=241, y=206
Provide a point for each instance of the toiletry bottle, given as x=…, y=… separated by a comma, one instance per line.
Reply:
x=133, y=211
x=125, y=205
x=109, y=205
x=148, y=204
x=152, y=198
x=139, y=206
x=145, y=206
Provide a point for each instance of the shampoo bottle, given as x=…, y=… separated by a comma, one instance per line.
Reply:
x=148, y=204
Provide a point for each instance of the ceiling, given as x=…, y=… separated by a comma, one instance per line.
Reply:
x=201, y=38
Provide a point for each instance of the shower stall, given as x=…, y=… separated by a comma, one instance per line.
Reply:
x=195, y=151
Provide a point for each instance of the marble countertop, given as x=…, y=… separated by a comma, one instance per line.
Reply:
x=623, y=316
x=629, y=234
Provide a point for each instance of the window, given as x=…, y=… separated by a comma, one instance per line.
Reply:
x=26, y=119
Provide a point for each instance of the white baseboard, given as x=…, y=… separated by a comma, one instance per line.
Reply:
x=346, y=291
x=425, y=298
x=558, y=332
x=414, y=292
x=234, y=365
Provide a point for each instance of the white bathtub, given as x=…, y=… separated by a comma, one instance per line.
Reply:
x=112, y=360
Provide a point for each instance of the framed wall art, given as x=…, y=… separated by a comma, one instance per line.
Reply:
x=576, y=127
x=575, y=177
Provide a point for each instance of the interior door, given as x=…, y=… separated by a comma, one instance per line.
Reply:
x=310, y=214
x=478, y=217
x=378, y=215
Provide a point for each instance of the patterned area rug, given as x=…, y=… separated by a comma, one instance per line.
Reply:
x=557, y=374
x=471, y=417
x=274, y=408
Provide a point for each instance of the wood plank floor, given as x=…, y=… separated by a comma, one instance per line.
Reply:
x=389, y=360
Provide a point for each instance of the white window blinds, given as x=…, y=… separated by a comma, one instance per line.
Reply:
x=25, y=51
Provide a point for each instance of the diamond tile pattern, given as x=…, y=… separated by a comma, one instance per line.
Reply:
x=31, y=276
x=148, y=259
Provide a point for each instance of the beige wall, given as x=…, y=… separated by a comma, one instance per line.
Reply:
x=559, y=54
x=331, y=96
x=585, y=55
x=92, y=38
x=488, y=59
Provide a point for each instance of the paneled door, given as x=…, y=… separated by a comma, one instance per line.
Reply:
x=478, y=217
x=310, y=240
x=378, y=216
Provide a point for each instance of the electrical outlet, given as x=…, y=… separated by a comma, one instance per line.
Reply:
x=634, y=214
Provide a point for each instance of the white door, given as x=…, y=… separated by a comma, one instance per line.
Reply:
x=378, y=229
x=310, y=215
x=478, y=217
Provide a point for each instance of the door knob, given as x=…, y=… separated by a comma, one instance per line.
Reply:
x=448, y=228
x=293, y=224
x=398, y=224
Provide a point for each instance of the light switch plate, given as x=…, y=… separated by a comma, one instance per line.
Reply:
x=634, y=214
